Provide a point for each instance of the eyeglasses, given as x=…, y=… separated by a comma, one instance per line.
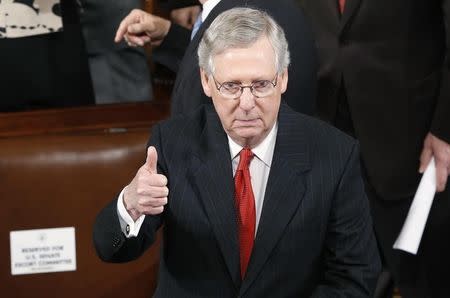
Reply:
x=233, y=90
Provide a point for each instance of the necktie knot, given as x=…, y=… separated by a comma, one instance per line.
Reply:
x=245, y=156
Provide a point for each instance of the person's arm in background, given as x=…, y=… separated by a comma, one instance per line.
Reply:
x=139, y=28
x=437, y=141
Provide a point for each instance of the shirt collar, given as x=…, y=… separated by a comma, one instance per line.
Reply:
x=207, y=7
x=264, y=151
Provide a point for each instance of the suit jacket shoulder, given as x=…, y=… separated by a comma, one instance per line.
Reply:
x=318, y=137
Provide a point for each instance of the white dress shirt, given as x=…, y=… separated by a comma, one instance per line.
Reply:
x=207, y=7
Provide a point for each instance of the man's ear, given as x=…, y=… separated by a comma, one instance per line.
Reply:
x=205, y=82
x=284, y=80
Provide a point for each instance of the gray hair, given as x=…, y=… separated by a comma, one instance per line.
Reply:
x=241, y=28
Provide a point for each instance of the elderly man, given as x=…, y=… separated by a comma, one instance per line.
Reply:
x=294, y=222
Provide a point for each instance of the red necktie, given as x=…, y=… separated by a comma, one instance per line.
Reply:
x=341, y=6
x=245, y=205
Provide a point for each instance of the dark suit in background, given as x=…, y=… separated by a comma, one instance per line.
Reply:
x=180, y=54
x=314, y=238
x=384, y=77
x=46, y=71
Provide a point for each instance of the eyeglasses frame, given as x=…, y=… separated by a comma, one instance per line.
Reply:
x=218, y=85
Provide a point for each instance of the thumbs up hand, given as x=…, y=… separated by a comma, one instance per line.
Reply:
x=147, y=193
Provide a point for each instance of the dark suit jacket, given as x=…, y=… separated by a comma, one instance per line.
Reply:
x=180, y=55
x=315, y=234
x=392, y=57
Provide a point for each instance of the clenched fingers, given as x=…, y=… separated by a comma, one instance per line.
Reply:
x=133, y=17
x=152, y=202
x=151, y=205
x=153, y=191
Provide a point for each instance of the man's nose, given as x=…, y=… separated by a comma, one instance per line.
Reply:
x=247, y=99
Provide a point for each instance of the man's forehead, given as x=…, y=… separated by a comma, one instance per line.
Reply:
x=257, y=60
x=262, y=44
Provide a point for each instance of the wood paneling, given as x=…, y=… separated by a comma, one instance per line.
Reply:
x=92, y=118
x=58, y=168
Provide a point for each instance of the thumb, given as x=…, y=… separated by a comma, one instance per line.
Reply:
x=152, y=160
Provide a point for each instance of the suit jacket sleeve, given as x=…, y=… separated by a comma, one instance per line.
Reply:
x=441, y=120
x=352, y=262
x=171, y=51
x=110, y=242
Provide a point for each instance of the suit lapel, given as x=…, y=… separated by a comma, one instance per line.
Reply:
x=212, y=177
x=284, y=192
x=351, y=7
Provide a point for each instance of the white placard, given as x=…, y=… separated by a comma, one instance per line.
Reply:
x=42, y=250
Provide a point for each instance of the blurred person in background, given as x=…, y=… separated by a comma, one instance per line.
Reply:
x=384, y=77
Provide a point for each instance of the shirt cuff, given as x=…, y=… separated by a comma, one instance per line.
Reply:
x=129, y=227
